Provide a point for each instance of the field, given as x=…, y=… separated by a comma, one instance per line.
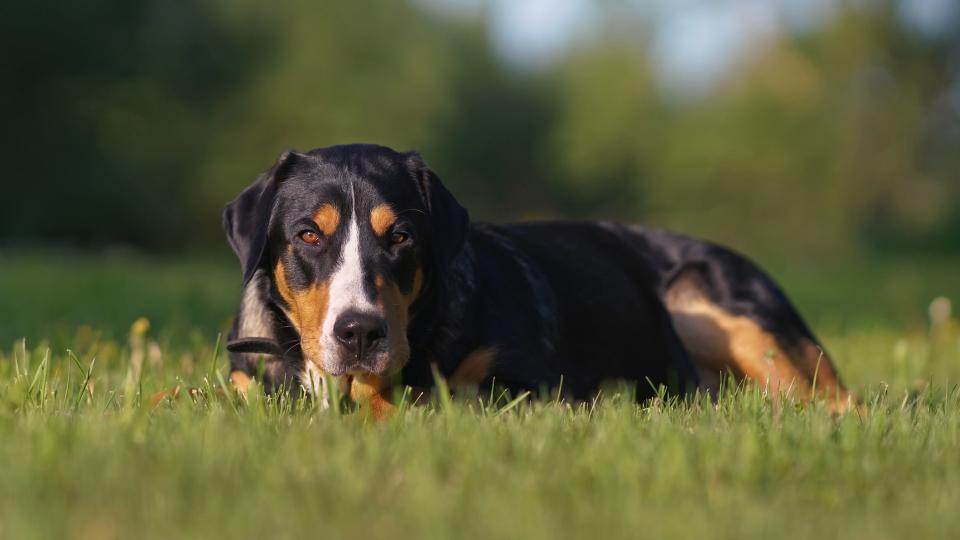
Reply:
x=97, y=442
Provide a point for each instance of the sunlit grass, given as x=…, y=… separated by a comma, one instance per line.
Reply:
x=113, y=426
x=132, y=439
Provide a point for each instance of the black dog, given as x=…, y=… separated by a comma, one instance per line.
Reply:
x=360, y=265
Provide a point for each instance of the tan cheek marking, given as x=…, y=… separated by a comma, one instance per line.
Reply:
x=395, y=310
x=308, y=309
x=280, y=277
x=414, y=293
x=474, y=369
x=327, y=218
x=382, y=218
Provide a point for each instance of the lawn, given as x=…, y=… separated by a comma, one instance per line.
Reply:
x=94, y=444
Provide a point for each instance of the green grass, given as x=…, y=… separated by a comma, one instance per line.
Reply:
x=89, y=455
x=104, y=461
x=51, y=295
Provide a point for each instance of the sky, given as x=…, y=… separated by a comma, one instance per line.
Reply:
x=694, y=42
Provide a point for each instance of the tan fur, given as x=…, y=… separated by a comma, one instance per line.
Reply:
x=473, y=369
x=369, y=392
x=307, y=309
x=327, y=217
x=416, y=288
x=720, y=342
x=241, y=382
x=382, y=217
x=396, y=310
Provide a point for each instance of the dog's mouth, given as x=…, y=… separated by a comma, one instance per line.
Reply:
x=356, y=367
x=378, y=364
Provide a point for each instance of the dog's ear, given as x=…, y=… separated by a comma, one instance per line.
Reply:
x=246, y=218
x=449, y=221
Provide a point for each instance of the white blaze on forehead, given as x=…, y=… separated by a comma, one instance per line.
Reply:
x=346, y=285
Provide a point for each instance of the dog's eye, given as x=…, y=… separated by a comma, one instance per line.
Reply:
x=311, y=238
x=398, y=238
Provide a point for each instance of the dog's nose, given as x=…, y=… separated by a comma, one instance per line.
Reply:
x=359, y=332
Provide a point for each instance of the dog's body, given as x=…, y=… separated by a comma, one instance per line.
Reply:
x=400, y=281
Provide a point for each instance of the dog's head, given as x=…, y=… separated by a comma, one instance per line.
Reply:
x=348, y=236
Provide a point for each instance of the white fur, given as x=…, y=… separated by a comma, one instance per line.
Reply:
x=346, y=290
x=313, y=381
x=255, y=320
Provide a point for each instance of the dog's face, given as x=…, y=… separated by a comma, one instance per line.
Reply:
x=349, y=236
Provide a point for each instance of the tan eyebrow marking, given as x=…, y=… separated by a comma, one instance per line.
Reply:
x=395, y=308
x=327, y=217
x=382, y=218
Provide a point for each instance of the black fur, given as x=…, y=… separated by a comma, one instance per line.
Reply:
x=581, y=302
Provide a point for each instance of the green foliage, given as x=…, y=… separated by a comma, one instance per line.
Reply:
x=133, y=122
x=826, y=141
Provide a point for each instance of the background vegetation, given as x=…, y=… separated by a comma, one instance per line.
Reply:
x=827, y=146
x=133, y=122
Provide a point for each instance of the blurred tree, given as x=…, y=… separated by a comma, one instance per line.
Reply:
x=339, y=72
x=107, y=114
x=134, y=121
x=817, y=142
x=488, y=144
x=610, y=122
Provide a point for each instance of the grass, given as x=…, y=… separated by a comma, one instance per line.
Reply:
x=91, y=450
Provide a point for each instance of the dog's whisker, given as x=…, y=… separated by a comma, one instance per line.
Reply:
x=289, y=349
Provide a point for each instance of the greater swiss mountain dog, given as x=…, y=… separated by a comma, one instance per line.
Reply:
x=360, y=266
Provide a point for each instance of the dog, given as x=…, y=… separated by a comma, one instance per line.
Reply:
x=361, y=267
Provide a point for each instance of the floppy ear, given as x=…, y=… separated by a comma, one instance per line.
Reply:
x=246, y=218
x=449, y=221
